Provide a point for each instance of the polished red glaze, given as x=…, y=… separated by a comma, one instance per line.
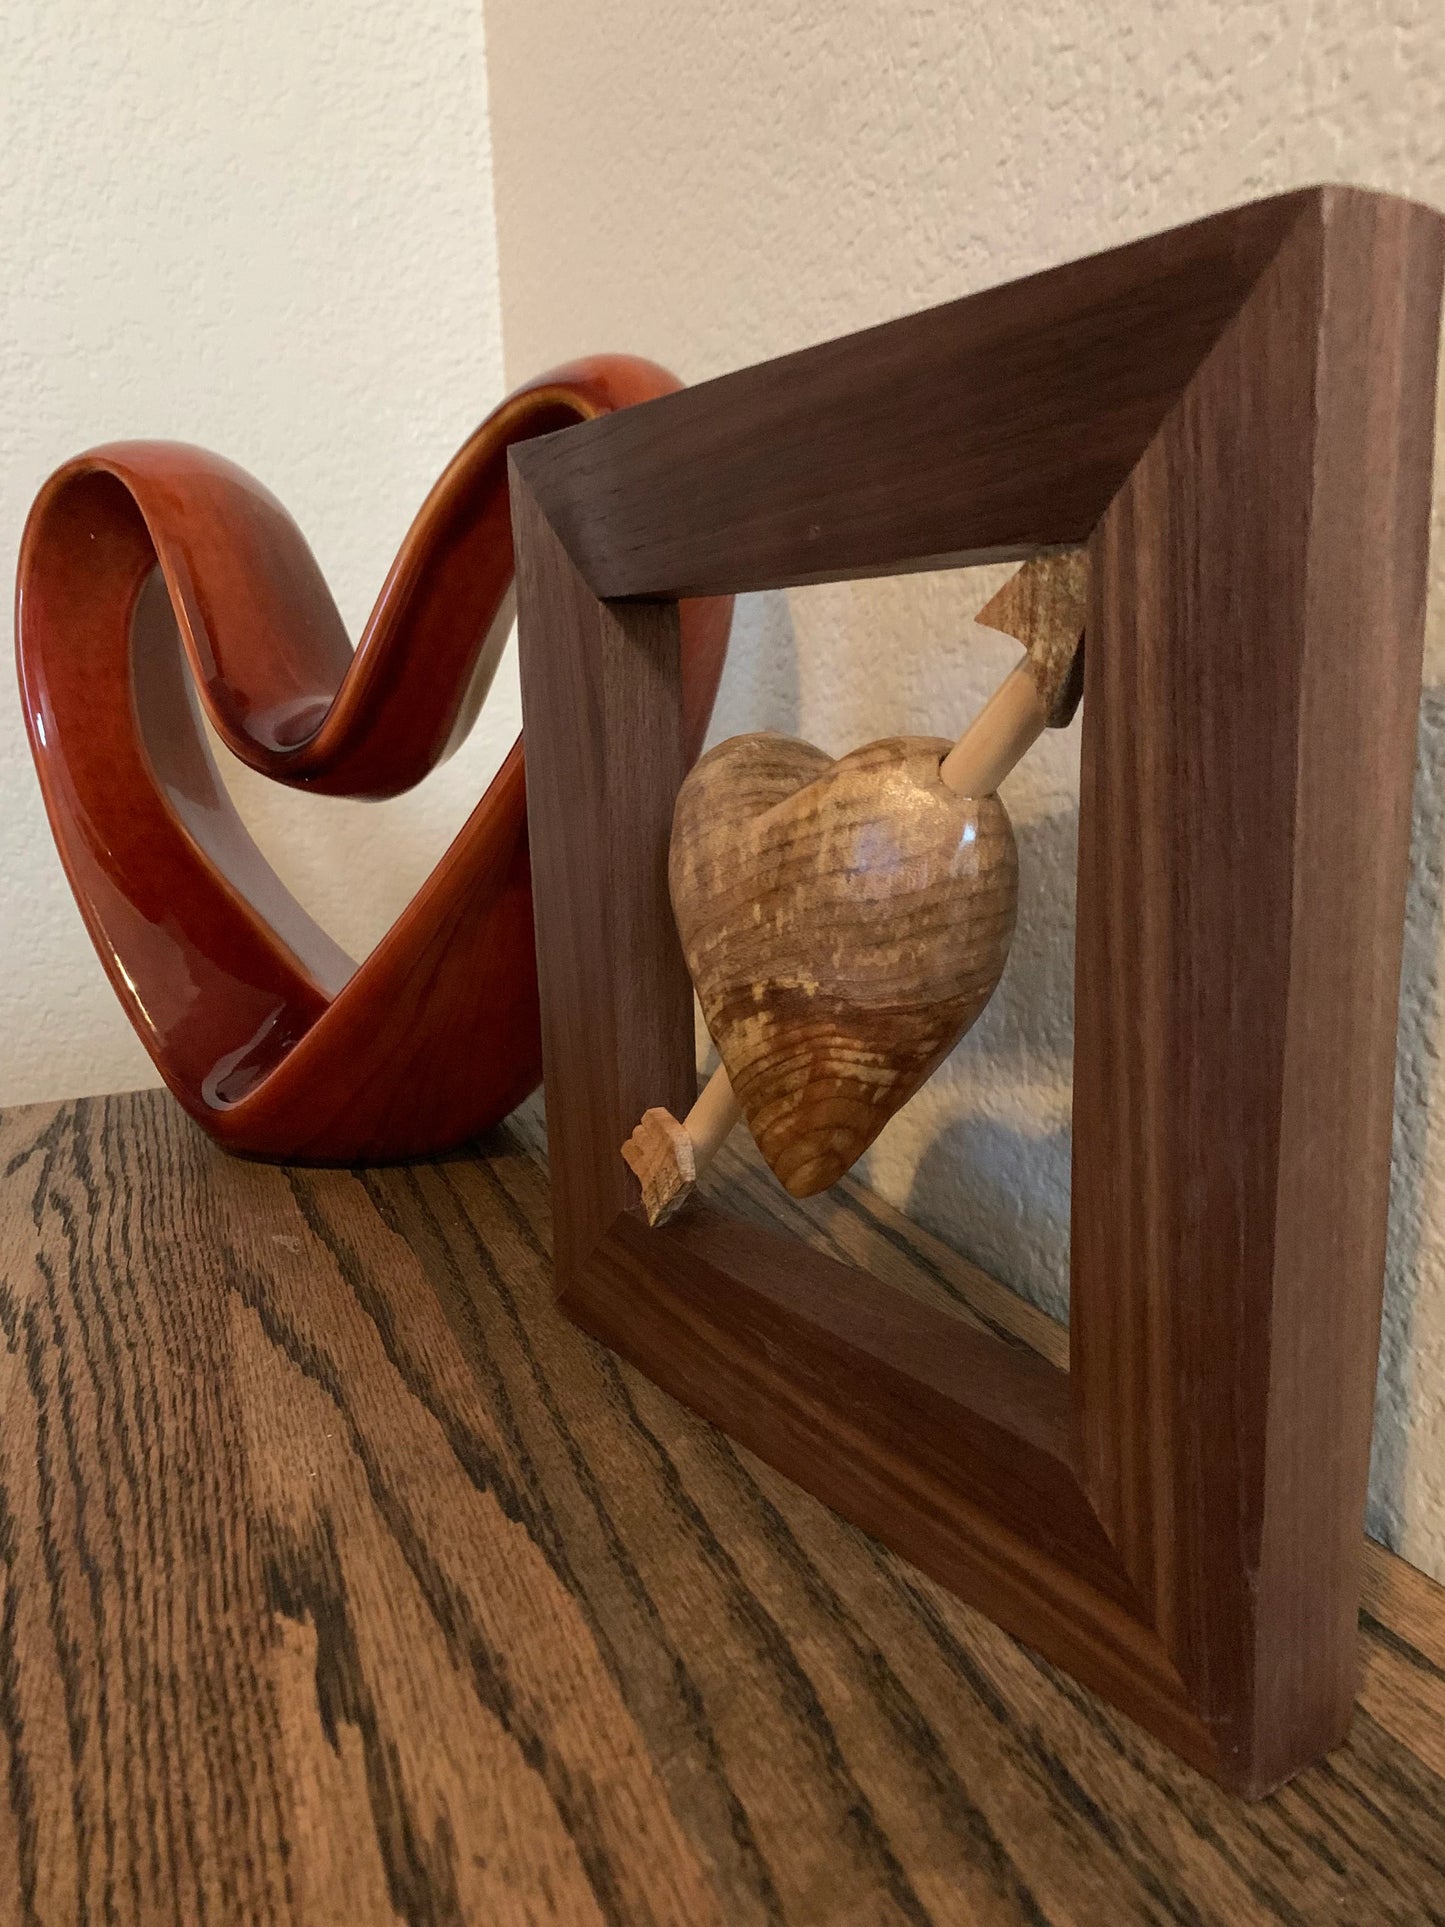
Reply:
x=265, y=1031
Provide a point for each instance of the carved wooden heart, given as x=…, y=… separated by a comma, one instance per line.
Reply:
x=845, y=923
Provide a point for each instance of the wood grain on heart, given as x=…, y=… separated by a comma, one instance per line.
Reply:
x=844, y=923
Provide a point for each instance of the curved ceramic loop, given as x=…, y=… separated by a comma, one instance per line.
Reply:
x=156, y=580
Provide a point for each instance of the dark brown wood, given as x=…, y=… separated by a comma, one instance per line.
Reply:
x=342, y=1580
x=943, y=1442
x=1248, y=763
x=1244, y=408
x=627, y=1031
x=986, y=428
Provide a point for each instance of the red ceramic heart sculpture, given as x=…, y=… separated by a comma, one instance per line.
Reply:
x=156, y=579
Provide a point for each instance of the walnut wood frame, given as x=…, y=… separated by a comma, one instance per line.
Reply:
x=1237, y=417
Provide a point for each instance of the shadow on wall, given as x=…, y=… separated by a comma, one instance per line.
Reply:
x=993, y=1177
x=1407, y=1476
x=759, y=689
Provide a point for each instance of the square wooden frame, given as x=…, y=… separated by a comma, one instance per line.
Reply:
x=1237, y=416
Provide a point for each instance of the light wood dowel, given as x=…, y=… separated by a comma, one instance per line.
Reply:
x=713, y=1118
x=1004, y=731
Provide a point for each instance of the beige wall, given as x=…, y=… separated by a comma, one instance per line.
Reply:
x=709, y=185
x=267, y=229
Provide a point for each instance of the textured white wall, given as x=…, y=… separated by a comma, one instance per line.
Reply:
x=714, y=185
x=267, y=229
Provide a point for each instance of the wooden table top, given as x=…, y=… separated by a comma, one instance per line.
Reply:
x=342, y=1579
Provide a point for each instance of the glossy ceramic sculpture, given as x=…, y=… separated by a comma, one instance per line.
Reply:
x=157, y=580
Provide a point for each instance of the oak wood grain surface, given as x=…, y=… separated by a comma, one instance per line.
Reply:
x=341, y=1578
